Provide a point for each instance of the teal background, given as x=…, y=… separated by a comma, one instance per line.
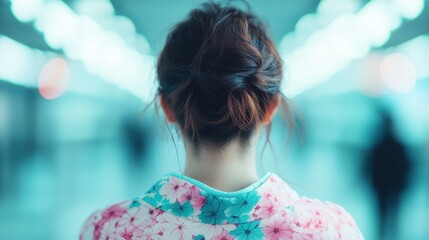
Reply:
x=93, y=145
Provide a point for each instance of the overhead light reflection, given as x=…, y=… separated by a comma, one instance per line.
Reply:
x=26, y=10
x=95, y=8
x=409, y=9
x=58, y=24
x=18, y=63
x=347, y=37
x=103, y=52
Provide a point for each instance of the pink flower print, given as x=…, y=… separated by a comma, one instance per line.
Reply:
x=177, y=228
x=267, y=208
x=139, y=232
x=133, y=216
x=212, y=230
x=91, y=226
x=154, y=212
x=302, y=236
x=114, y=211
x=303, y=223
x=271, y=193
x=267, y=193
x=273, y=179
x=173, y=189
x=95, y=217
x=108, y=231
x=312, y=218
x=224, y=235
x=125, y=232
x=341, y=213
x=277, y=228
x=111, y=213
x=193, y=195
x=148, y=232
x=348, y=232
x=145, y=225
x=346, y=227
x=97, y=229
x=198, y=201
x=158, y=233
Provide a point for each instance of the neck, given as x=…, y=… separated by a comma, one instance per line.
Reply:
x=230, y=168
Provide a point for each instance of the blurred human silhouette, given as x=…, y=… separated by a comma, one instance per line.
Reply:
x=135, y=136
x=388, y=170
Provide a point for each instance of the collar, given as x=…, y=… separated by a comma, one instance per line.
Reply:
x=189, y=198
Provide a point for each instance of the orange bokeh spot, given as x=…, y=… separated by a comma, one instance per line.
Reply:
x=398, y=73
x=54, y=78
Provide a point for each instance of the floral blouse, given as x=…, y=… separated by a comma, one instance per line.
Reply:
x=179, y=207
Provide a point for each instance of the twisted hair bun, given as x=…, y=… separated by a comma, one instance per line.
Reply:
x=218, y=71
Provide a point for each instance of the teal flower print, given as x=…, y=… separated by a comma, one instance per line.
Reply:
x=199, y=237
x=248, y=231
x=135, y=203
x=213, y=211
x=238, y=218
x=155, y=199
x=182, y=210
x=155, y=188
x=241, y=206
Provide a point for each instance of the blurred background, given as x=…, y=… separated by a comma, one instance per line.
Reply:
x=75, y=76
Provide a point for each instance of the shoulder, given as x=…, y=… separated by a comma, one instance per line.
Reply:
x=327, y=220
x=117, y=220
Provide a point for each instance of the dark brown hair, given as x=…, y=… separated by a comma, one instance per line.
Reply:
x=218, y=72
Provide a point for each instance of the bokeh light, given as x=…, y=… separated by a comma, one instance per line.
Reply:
x=398, y=73
x=26, y=10
x=54, y=78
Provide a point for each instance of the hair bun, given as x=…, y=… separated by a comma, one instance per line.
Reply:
x=218, y=71
x=226, y=57
x=225, y=67
x=247, y=117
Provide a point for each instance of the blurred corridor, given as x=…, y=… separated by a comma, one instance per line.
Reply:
x=76, y=75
